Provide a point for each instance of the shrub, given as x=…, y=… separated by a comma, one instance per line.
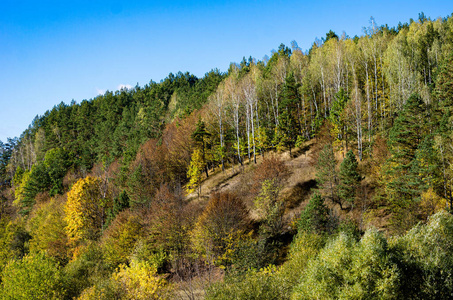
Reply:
x=120, y=238
x=34, y=277
x=47, y=229
x=220, y=226
x=425, y=253
x=346, y=269
x=262, y=284
x=139, y=281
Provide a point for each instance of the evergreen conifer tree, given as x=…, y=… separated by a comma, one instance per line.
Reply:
x=404, y=138
x=349, y=178
x=315, y=216
x=402, y=184
x=327, y=175
x=200, y=135
x=289, y=118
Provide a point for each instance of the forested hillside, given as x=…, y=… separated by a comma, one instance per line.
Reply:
x=321, y=174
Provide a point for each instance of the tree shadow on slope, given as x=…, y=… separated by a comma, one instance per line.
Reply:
x=300, y=193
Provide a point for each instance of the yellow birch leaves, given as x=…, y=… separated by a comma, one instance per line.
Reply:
x=84, y=210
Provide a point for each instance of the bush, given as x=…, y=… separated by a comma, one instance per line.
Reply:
x=304, y=247
x=219, y=227
x=262, y=284
x=120, y=238
x=425, y=253
x=139, y=281
x=87, y=269
x=346, y=269
x=13, y=241
x=34, y=277
x=47, y=229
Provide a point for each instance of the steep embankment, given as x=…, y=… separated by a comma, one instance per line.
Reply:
x=296, y=189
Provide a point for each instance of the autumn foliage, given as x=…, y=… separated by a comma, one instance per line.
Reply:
x=223, y=219
x=304, y=154
x=84, y=210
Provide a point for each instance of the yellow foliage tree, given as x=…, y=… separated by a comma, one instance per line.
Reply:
x=92, y=293
x=120, y=238
x=47, y=228
x=431, y=203
x=139, y=281
x=195, y=172
x=221, y=225
x=84, y=210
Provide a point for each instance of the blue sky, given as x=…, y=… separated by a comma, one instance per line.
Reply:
x=53, y=51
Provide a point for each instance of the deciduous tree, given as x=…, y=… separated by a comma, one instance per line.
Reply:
x=84, y=210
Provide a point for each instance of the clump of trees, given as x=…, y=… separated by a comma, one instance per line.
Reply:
x=94, y=195
x=342, y=266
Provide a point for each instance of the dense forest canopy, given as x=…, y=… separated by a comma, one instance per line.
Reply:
x=108, y=198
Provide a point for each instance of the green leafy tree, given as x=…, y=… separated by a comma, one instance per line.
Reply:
x=17, y=178
x=14, y=240
x=140, y=281
x=119, y=240
x=425, y=252
x=33, y=277
x=221, y=224
x=32, y=182
x=47, y=229
x=262, y=140
x=86, y=269
x=345, y=269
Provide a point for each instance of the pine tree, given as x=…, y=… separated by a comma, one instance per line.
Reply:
x=315, y=216
x=337, y=117
x=200, y=135
x=444, y=86
x=121, y=202
x=327, y=175
x=403, y=142
x=402, y=184
x=349, y=178
x=444, y=138
x=289, y=124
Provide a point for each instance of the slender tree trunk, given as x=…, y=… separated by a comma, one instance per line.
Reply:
x=358, y=117
x=368, y=102
x=236, y=123
x=248, y=130
x=253, y=132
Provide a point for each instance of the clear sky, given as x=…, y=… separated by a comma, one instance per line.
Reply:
x=53, y=51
